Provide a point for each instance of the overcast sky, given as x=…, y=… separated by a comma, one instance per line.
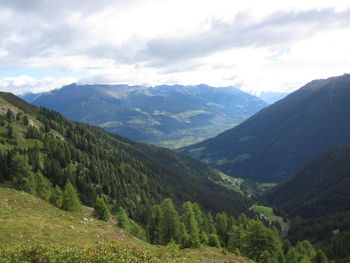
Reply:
x=255, y=45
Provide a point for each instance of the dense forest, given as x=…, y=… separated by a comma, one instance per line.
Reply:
x=317, y=200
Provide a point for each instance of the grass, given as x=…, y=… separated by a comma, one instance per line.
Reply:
x=30, y=226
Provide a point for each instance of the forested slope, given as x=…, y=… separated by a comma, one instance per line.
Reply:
x=280, y=139
x=317, y=200
x=99, y=163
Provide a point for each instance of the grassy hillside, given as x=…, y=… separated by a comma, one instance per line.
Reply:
x=29, y=224
x=280, y=139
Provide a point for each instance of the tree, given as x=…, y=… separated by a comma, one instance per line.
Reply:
x=101, y=210
x=320, y=257
x=189, y=218
x=214, y=240
x=22, y=174
x=56, y=197
x=170, y=223
x=222, y=227
x=122, y=218
x=258, y=239
x=153, y=228
x=10, y=115
x=42, y=186
x=71, y=200
x=10, y=132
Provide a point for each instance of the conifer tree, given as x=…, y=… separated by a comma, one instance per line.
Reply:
x=214, y=240
x=123, y=219
x=42, y=186
x=56, y=197
x=154, y=228
x=259, y=239
x=170, y=223
x=101, y=210
x=222, y=227
x=320, y=257
x=71, y=200
x=22, y=174
x=191, y=223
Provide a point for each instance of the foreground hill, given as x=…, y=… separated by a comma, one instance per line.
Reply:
x=317, y=199
x=33, y=229
x=280, y=139
x=129, y=174
x=171, y=116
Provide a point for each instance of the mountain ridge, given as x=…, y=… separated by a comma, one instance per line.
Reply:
x=277, y=141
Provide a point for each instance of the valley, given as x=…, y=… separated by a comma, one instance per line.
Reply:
x=170, y=116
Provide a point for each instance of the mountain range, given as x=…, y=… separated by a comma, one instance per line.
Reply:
x=279, y=140
x=171, y=116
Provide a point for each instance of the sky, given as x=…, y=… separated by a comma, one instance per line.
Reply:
x=254, y=45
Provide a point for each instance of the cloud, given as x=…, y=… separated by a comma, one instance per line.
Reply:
x=26, y=84
x=259, y=45
x=278, y=29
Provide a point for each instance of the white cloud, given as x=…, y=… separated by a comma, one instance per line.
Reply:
x=25, y=84
x=259, y=45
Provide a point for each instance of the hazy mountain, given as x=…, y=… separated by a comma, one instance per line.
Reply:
x=271, y=97
x=166, y=115
x=280, y=139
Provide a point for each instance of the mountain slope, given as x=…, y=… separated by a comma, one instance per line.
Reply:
x=129, y=174
x=317, y=200
x=280, y=139
x=26, y=220
x=319, y=189
x=166, y=115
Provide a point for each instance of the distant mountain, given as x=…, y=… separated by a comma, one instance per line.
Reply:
x=167, y=115
x=280, y=139
x=271, y=97
x=317, y=200
x=133, y=175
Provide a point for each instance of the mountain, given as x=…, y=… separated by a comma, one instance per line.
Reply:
x=271, y=97
x=279, y=140
x=157, y=195
x=170, y=116
x=317, y=200
x=129, y=174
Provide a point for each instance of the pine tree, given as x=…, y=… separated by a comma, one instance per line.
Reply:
x=320, y=257
x=190, y=221
x=222, y=227
x=170, y=223
x=56, y=197
x=154, y=228
x=101, y=210
x=22, y=174
x=258, y=239
x=42, y=186
x=123, y=219
x=71, y=200
x=214, y=240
